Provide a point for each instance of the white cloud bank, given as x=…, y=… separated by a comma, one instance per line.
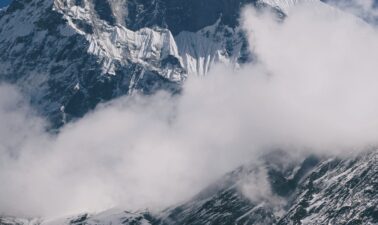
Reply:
x=314, y=87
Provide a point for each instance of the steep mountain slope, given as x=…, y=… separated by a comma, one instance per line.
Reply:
x=256, y=193
x=69, y=55
x=313, y=191
x=66, y=59
x=281, y=189
x=338, y=191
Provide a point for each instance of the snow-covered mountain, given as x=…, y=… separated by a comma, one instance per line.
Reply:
x=67, y=59
x=309, y=191
x=69, y=55
x=312, y=190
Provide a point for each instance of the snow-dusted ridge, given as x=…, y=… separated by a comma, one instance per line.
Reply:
x=197, y=51
x=313, y=190
x=116, y=43
x=57, y=45
x=286, y=5
x=108, y=217
x=218, y=43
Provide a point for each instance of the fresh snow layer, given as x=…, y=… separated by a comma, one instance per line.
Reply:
x=199, y=51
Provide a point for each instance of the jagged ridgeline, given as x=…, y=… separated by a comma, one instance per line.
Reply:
x=69, y=55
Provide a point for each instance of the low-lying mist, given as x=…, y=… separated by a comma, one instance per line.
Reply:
x=313, y=87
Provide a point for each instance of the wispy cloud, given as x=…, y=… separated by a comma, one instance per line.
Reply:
x=313, y=87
